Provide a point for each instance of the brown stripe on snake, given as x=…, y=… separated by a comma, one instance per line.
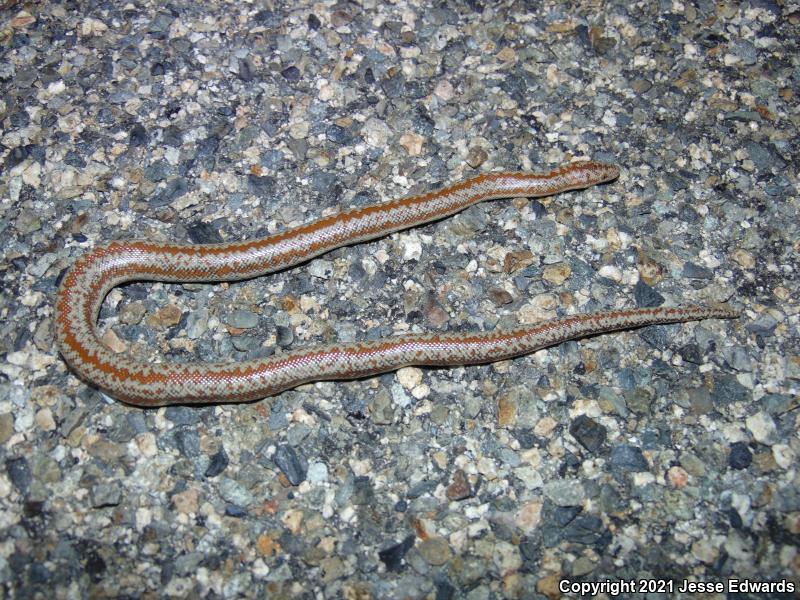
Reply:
x=94, y=274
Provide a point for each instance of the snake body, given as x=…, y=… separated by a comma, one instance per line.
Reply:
x=93, y=275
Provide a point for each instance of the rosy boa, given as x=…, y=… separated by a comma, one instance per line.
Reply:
x=94, y=274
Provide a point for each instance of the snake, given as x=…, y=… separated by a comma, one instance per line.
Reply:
x=84, y=286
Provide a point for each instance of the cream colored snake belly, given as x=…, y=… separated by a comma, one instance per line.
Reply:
x=94, y=274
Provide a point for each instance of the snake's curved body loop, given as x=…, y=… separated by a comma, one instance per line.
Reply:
x=94, y=274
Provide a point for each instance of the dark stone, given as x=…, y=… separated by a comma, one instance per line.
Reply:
x=39, y=574
x=338, y=135
x=267, y=18
x=444, y=589
x=393, y=86
x=526, y=439
x=363, y=198
x=187, y=440
x=694, y=271
x=272, y=159
x=639, y=400
x=589, y=433
x=123, y=431
x=645, y=296
x=291, y=74
x=393, y=556
x=245, y=70
x=291, y=463
x=538, y=209
x=423, y=122
x=158, y=171
x=740, y=456
x=627, y=377
x=261, y=186
x=587, y=530
x=172, y=136
x=675, y=182
x=19, y=118
x=530, y=549
x=284, y=336
x=203, y=233
x=423, y=487
x=363, y=492
x=416, y=90
x=19, y=472
x=95, y=566
x=610, y=500
x=234, y=510
x=207, y=147
x=655, y=439
x=33, y=508
x=356, y=272
x=769, y=5
x=727, y=390
x=764, y=325
x=18, y=40
x=74, y=159
x=173, y=190
x=106, y=494
x=325, y=183
x=159, y=26
x=182, y=415
x=18, y=561
x=516, y=85
x=688, y=214
x=17, y=155
x=777, y=404
x=691, y=353
x=765, y=158
x=569, y=463
x=564, y=515
x=627, y=459
x=277, y=417
x=218, y=463
x=138, y=136
x=655, y=336
x=735, y=519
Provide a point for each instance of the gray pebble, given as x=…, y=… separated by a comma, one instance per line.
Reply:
x=727, y=390
x=106, y=494
x=234, y=492
x=627, y=459
x=242, y=319
x=197, y=323
x=589, y=433
x=19, y=472
x=292, y=463
x=564, y=492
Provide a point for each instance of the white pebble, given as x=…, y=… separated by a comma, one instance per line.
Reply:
x=409, y=377
x=762, y=427
x=611, y=272
x=317, y=472
x=412, y=247
x=783, y=455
